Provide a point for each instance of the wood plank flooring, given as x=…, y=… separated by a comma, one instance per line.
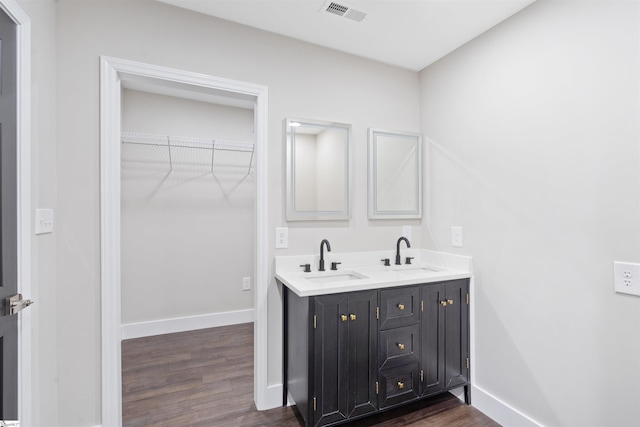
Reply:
x=204, y=378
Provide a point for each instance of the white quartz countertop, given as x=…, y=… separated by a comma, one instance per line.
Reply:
x=359, y=271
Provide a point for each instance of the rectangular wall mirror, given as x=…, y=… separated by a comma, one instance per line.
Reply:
x=395, y=174
x=317, y=183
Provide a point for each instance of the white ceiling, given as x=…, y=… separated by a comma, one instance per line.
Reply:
x=409, y=34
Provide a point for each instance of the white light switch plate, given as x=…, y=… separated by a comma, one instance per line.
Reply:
x=44, y=221
x=626, y=277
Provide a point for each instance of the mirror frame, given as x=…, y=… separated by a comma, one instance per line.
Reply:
x=291, y=213
x=374, y=212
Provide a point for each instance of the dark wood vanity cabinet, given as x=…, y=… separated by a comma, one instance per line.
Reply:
x=351, y=354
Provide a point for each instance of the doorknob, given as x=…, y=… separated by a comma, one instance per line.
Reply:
x=16, y=304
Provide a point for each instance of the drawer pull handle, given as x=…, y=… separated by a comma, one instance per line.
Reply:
x=401, y=346
x=401, y=306
x=443, y=303
x=450, y=301
x=400, y=385
x=343, y=317
x=352, y=316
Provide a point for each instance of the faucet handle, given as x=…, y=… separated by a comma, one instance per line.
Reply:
x=408, y=260
x=307, y=267
x=386, y=261
x=334, y=265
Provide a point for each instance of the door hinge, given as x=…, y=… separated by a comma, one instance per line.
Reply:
x=315, y=321
x=422, y=305
x=377, y=387
x=421, y=374
x=467, y=298
x=467, y=363
x=377, y=312
x=314, y=404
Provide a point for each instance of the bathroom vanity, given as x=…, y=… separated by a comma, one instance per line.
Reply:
x=366, y=338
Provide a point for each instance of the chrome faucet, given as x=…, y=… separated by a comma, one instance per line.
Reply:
x=398, y=248
x=324, y=241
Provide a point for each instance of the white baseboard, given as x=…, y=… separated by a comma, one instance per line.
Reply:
x=182, y=324
x=499, y=411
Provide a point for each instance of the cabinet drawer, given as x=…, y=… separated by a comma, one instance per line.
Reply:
x=399, y=307
x=399, y=385
x=399, y=346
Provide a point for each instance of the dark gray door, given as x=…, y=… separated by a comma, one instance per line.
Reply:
x=8, y=220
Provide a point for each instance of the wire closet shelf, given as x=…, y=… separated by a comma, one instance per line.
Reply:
x=174, y=143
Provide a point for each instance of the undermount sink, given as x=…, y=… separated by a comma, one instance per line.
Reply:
x=335, y=276
x=413, y=270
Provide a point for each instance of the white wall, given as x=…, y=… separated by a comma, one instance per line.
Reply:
x=534, y=152
x=303, y=81
x=187, y=235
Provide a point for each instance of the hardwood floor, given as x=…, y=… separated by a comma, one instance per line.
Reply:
x=205, y=378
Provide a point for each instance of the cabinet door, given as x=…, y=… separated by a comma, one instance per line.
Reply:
x=433, y=338
x=456, y=333
x=345, y=351
x=363, y=350
x=329, y=403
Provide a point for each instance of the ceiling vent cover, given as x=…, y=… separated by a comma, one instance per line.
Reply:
x=344, y=10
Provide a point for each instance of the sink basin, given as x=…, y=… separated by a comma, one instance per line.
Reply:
x=335, y=276
x=417, y=270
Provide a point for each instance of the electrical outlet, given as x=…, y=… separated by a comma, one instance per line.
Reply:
x=246, y=283
x=406, y=231
x=456, y=237
x=626, y=277
x=282, y=238
x=44, y=221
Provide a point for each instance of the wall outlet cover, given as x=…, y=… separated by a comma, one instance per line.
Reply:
x=406, y=231
x=626, y=277
x=456, y=237
x=282, y=238
x=246, y=283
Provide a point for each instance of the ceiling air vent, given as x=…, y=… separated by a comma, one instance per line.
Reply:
x=344, y=10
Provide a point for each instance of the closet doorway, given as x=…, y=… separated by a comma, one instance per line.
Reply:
x=116, y=75
x=187, y=213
